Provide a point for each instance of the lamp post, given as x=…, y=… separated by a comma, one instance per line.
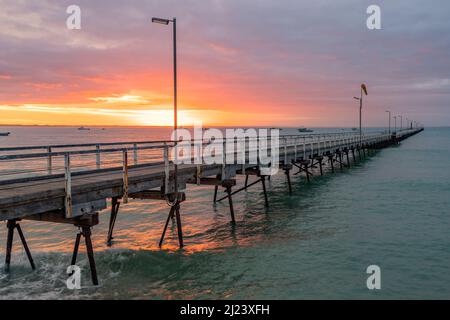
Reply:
x=401, y=122
x=363, y=89
x=389, y=120
x=395, y=123
x=175, y=97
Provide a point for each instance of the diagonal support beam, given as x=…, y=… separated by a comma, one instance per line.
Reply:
x=11, y=226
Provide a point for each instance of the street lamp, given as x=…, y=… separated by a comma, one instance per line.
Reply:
x=401, y=122
x=175, y=111
x=363, y=89
x=389, y=120
x=395, y=121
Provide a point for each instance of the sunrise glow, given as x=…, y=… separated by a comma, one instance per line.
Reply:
x=117, y=69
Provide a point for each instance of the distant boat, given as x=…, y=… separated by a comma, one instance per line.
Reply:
x=305, y=130
x=354, y=129
x=83, y=129
x=5, y=134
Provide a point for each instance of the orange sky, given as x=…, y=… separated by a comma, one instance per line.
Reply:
x=240, y=64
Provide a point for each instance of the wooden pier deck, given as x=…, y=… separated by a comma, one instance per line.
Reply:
x=75, y=183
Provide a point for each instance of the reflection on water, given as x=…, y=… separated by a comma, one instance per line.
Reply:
x=316, y=243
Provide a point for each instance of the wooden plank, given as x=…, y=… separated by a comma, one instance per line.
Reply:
x=59, y=217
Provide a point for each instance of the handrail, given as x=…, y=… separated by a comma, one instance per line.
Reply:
x=310, y=143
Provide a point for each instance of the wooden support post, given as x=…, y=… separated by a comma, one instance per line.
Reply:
x=115, y=204
x=331, y=160
x=166, y=168
x=68, y=187
x=266, y=200
x=49, y=160
x=246, y=180
x=135, y=154
x=75, y=249
x=320, y=166
x=86, y=233
x=288, y=177
x=307, y=172
x=97, y=157
x=230, y=203
x=25, y=246
x=11, y=225
x=348, y=159
x=170, y=216
x=125, y=176
x=180, y=231
x=216, y=188
x=340, y=159
x=90, y=253
x=9, y=242
x=174, y=212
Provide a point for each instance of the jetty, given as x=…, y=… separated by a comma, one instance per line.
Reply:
x=72, y=184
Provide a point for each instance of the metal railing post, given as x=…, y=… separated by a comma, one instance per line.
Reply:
x=166, y=168
x=135, y=154
x=125, y=176
x=67, y=187
x=97, y=156
x=49, y=160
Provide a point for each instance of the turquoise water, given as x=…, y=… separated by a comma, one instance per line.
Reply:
x=391, y=210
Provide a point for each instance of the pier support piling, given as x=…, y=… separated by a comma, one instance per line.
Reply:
x=11, y=225
x=174, y=213
x=216, y=188
x=288, y=177
x=230, y=202
x=115, y=204
x=266, y=199
x=85, y=231
x=331, y=161
x=339, y=153
x=348, y=159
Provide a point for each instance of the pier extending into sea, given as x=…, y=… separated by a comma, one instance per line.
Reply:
x=71, y=184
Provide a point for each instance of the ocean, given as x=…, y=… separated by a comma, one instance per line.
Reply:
x=390, y=210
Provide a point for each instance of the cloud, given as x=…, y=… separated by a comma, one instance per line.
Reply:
x=286, y=57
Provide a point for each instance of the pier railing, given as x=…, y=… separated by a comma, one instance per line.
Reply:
x=60, y=161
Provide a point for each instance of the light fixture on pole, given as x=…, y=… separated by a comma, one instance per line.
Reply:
x=389, y=120
x=401, y=122
x=395, y=123
x=363, y=90
x=175, y=97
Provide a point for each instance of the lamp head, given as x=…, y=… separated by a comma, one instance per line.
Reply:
x=160, y=21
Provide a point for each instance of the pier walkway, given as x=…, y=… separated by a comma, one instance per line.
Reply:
x=72, y=183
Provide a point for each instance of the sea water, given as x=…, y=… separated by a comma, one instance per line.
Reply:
x=390, y=210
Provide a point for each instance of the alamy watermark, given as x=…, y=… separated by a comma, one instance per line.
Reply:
x=74, y=280
x=73, y=22
x=373, y=22
x=374, y=280
x=259, y=147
